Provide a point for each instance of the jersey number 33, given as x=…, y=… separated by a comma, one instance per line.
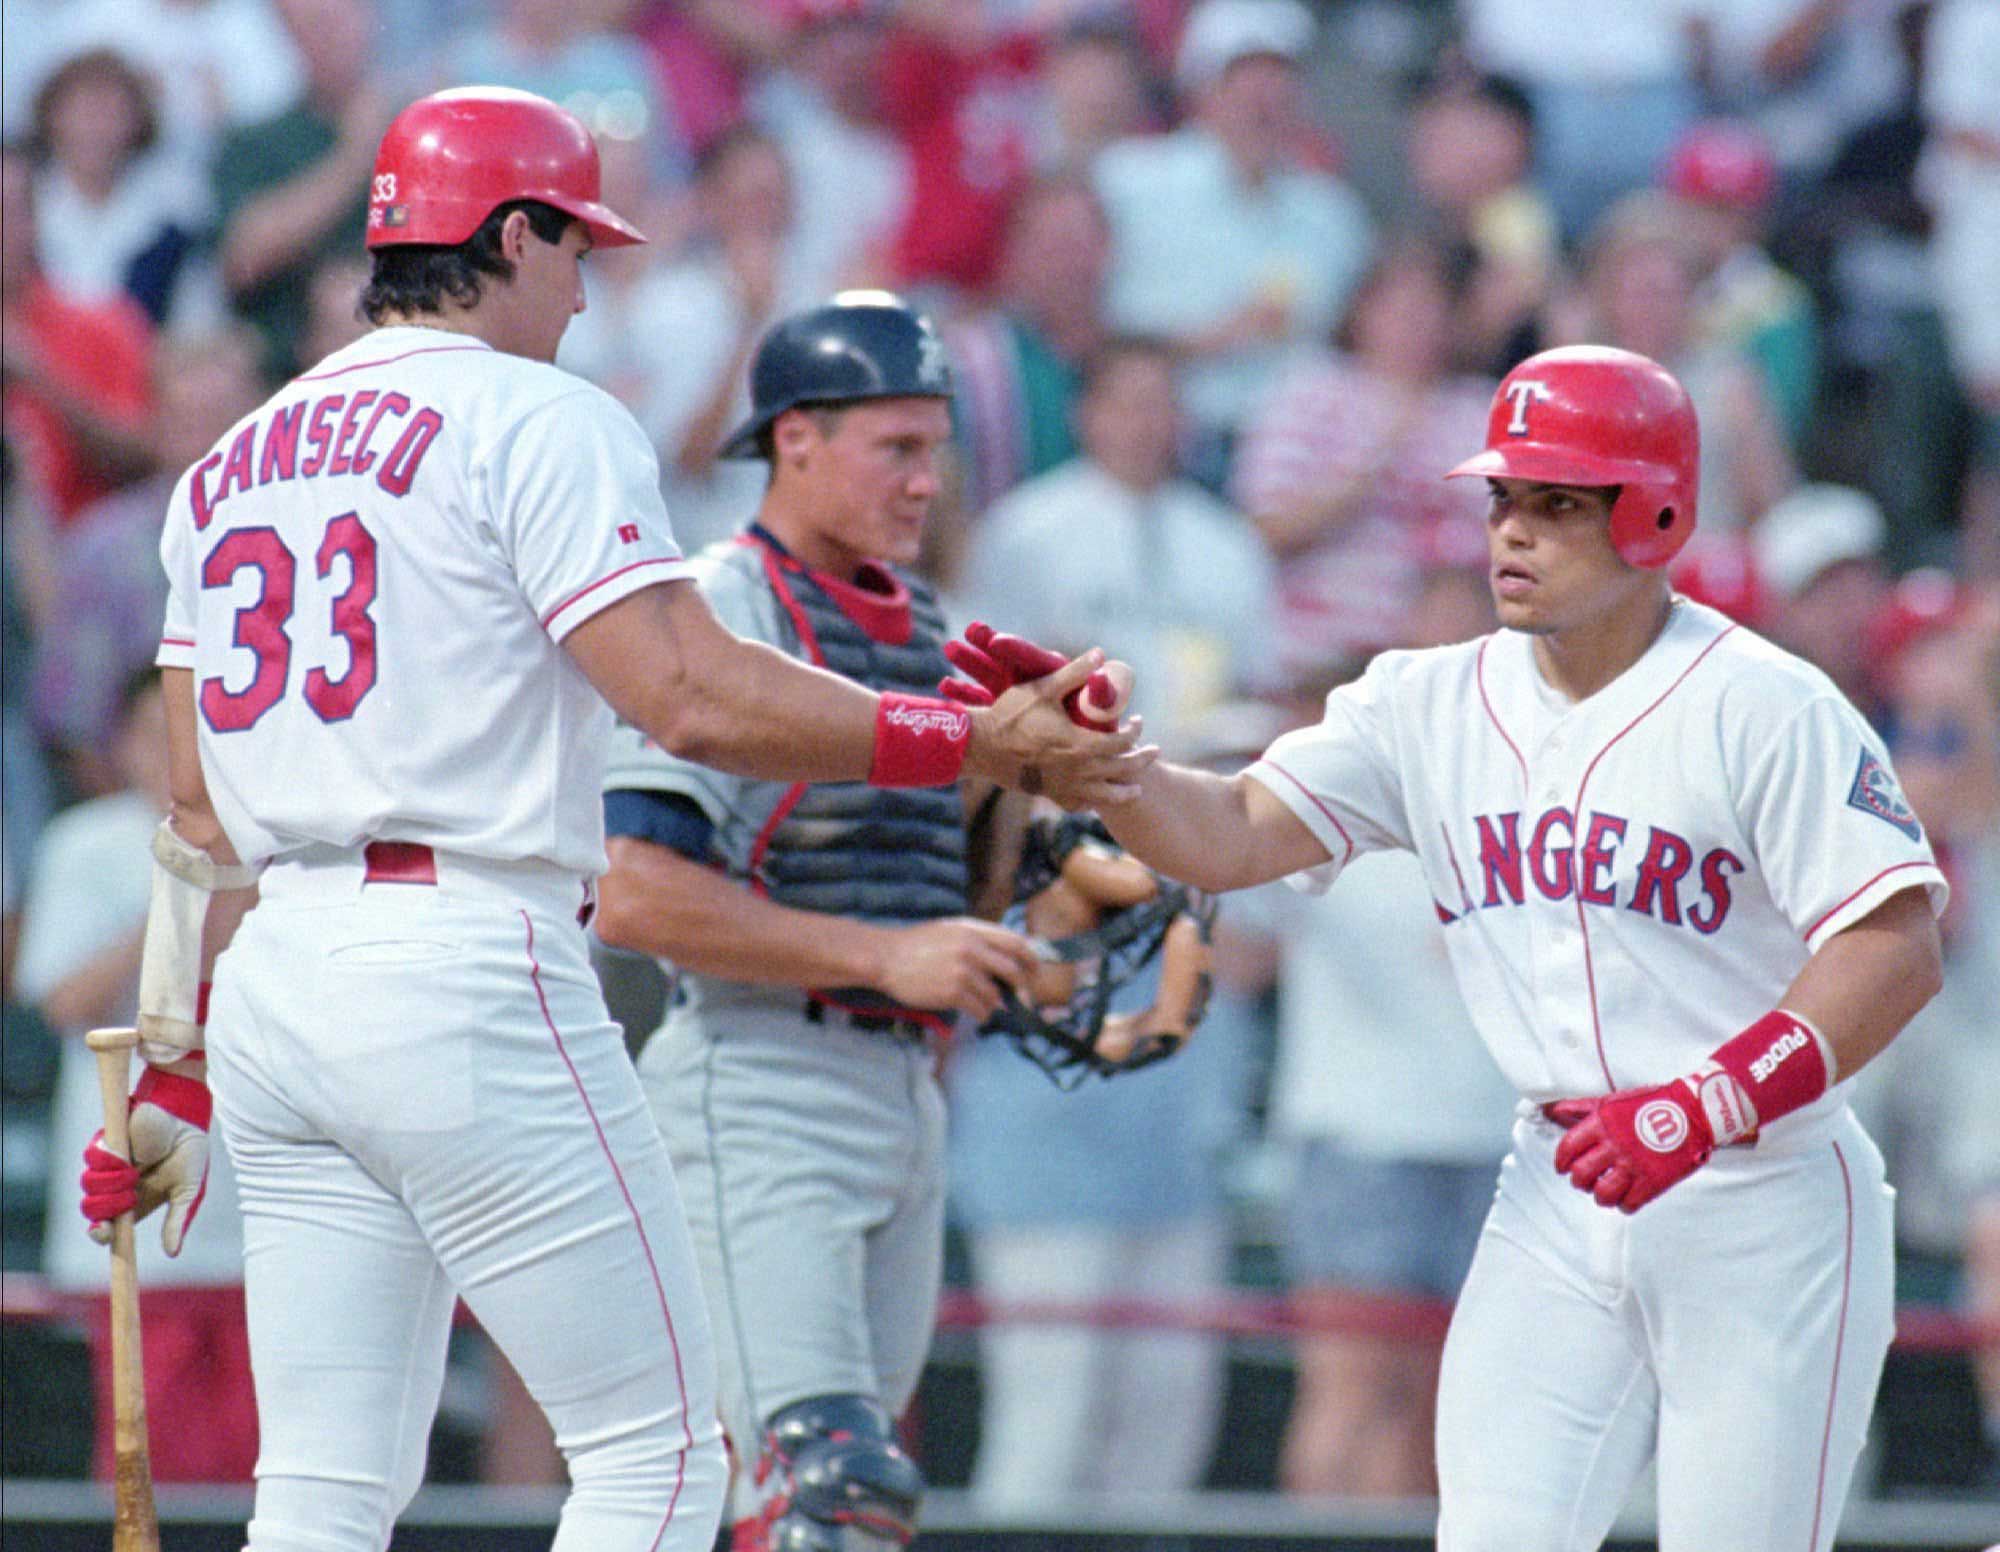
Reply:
x=260, y=624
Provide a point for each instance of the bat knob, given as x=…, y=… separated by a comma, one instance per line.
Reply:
x=1106, y=694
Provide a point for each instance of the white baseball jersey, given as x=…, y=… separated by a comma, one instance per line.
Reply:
x=368, y=576
x=1627, y=881
x=371, y=578
x=1624, y=883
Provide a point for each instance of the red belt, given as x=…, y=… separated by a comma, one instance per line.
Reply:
x=412, y=862
x=399, y=862
x=904, y=1023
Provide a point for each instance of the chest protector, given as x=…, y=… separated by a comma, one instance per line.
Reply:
x=891, y=855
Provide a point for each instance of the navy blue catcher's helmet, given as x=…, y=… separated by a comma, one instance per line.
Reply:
x=860, y=345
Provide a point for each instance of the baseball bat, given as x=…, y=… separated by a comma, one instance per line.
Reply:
x=135, y=1525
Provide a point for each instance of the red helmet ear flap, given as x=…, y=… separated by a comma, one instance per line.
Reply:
x=1651, y=523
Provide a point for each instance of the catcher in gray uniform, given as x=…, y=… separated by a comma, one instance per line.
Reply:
x=822, y=949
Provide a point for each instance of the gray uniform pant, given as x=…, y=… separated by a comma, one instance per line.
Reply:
x=811, y=1161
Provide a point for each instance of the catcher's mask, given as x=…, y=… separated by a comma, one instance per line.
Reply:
x=1101, y=918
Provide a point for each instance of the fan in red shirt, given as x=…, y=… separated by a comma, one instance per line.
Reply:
x=963, y=96
x=74, y=391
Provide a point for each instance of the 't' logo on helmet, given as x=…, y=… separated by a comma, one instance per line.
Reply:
x=1523, y=391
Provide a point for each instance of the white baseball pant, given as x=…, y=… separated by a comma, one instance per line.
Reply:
x=423, y=1097
x=1734, y=1329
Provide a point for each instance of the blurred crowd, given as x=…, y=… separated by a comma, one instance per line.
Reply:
x=1226, y=285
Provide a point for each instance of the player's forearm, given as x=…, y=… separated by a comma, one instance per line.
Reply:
x=699, y=691
x=703, y=693
x=655, y=901
x=1867, y=982
x=760, y=713
x=1191, y=825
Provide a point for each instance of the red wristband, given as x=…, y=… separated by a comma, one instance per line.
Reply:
x=186, y=1098
x=1779, y=1065
x=919, y=742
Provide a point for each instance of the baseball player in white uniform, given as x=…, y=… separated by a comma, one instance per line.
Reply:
x=1685, y=902
x=401, y=594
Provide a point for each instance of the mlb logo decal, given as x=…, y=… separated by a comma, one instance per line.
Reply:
x=1875, y=792
x=932, y=368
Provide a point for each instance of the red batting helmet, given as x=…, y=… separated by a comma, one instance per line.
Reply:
x=449, y=160
x=1926, y=600
x=1721, y=162
x=1593, y=415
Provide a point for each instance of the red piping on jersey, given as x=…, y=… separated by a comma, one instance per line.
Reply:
x=875, y=598
x=177, y=641
x=1576, y=864
x=774, y=571
x=1313, y=798
x=762, y=843
x=550, y=618
x=1494, y=716
x=1839, y=1341
x=1858, y=893
x=362, y=366
x=638, y=1223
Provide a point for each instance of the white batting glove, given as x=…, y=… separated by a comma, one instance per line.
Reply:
x=168, y=1126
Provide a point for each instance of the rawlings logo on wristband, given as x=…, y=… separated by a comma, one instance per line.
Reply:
x=919, y=718
x=919, y=742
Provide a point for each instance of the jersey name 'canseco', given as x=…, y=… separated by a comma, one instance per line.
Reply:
x=370, y=578
x=1627, y=881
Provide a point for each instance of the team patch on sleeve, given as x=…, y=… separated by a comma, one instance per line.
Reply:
x=1875, y=792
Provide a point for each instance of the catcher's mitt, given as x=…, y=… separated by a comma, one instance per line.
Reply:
x=1100, y=918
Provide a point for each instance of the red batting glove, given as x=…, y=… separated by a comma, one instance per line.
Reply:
x=994, y=662
x=965, y=692
x=110, y=1184
x=982, y=671
x=1629, y=1147
x=168, y=1126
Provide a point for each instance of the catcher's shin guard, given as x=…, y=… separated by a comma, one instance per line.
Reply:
x=843, y=1484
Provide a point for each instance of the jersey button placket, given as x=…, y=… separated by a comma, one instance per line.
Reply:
x=1561, y=985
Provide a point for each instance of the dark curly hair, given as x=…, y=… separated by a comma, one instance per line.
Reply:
x=414, y=278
